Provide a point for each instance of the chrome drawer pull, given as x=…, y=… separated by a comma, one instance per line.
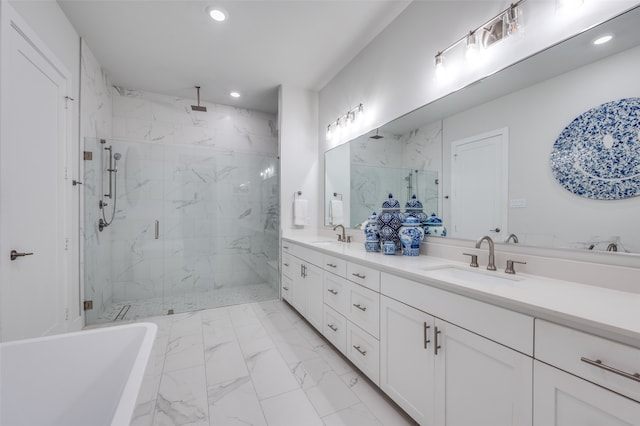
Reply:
x=357, y=348
x=285, y=288
x=331, y=265
x=598, y=363
x=286, y=264
x=332, y=291
x=285, y=247
x=436, y=345
x=359, y=306
x=362, y=277
x=333, y=327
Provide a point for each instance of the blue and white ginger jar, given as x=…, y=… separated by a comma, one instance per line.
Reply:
x=390, y=221
x=413, y=208
x=411, y=235
x=371, y=235
x=434, y=226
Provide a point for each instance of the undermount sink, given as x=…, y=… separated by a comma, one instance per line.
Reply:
x=326, y=243
x=468, y=276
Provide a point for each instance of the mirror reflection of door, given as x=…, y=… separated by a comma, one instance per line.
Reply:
x=479, y=187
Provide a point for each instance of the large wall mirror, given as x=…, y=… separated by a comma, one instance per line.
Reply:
x=504, y=128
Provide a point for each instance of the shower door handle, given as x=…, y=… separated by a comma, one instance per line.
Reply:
x=157, y=229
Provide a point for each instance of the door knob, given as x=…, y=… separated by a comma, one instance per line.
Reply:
x=15, y=254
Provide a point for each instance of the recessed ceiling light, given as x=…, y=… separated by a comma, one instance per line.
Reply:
x=602, y=40
x=234, y=94
x=217, y=14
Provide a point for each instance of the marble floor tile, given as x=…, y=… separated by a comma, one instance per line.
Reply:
x=254, y=364
x=290, y=409
x=235, y=403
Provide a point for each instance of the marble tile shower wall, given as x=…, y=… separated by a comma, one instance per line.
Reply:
x=378, y=166
x=211, y=179
x=96, y=122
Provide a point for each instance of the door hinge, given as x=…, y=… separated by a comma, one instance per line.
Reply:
x=88, y=305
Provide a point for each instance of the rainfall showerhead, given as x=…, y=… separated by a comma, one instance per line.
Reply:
x=117, y=156
x=198, y=107
x=376, y=136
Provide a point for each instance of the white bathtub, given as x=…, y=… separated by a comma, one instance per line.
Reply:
x=88, y=378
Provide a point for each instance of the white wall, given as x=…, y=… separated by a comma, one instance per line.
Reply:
x=298, y=112
x=395, y=73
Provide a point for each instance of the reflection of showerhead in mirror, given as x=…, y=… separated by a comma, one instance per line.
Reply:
x=117, y=156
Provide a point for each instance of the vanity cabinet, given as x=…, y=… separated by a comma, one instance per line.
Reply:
x=352, y=313
x=444, y=375
x=584, y=379
x=304, y=284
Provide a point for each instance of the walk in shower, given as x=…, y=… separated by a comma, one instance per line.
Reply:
x=193, y=228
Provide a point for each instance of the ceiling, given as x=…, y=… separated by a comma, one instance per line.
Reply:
x=170, y=46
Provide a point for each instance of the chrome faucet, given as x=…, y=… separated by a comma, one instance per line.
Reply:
x=342, y=237
x=492, y=257
x=512, y=237
x=612, y=247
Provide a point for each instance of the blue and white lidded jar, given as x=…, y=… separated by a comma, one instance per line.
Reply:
x=434, y=226
x=390, y=221
x=371, y=235
x=411, y=235
x=413, y=207
x=389, y=247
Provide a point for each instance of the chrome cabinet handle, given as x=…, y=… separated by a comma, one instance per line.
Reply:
x=496, y=229
x=426, y=340
x=598, y=363
x=285, y=247
x=285, y=288
x=331, y=265
x=359, y=306
x=357, y=275
x=14, y=254
x=359, y=349
x=436, y=344
x=286, y=264
x=333, y=327
x=332, y=291
x=157, y=229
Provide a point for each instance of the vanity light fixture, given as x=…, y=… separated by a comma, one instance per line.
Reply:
x=217, y=14
x=350, y=118
x=504, y=24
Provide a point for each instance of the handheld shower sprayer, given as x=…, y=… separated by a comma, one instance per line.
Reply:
x=112, y=169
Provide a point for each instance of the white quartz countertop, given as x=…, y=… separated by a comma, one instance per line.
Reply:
x=601, y=311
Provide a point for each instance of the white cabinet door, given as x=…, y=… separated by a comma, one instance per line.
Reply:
x=314, y=292
x=35, y=206
x=299, y=293
x=406, y=358
x=479, y=382
x=561, y=399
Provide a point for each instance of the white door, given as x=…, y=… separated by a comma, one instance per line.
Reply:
x=561, y=399
x=479, y=382
x=406, y=358
x=34, y=195
x=479, y=189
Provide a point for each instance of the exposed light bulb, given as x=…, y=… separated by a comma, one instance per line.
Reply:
x=472, y=53
x=234, y=94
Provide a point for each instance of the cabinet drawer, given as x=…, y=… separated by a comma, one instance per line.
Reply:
x=287, y=289
x=335, y=265
x=306, y=254
x=286, y=264
x=336, y=293
x=571, y=350
x=362, y=275
x=364, y=351
x=335, y=329
x=364, y=309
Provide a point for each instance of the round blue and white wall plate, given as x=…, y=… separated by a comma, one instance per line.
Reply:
x=598, y=154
